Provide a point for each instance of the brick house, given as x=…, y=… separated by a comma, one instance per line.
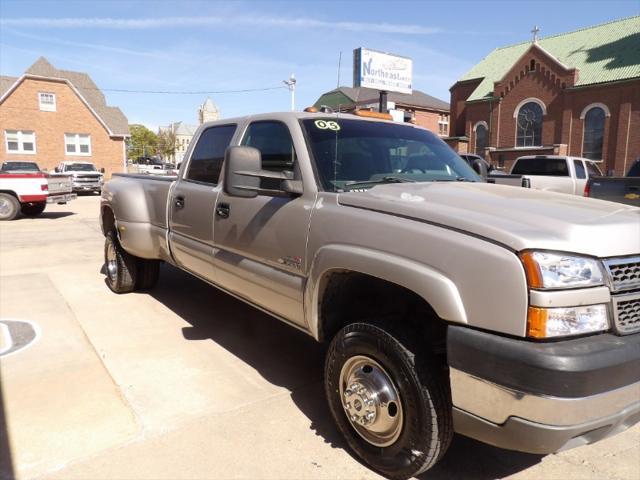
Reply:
x=576, y=93
x=49, y=116
x=425, y=110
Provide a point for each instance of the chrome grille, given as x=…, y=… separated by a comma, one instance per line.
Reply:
x=626, y=310
x=624, y=273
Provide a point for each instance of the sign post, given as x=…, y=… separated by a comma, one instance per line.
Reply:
x=383, y=102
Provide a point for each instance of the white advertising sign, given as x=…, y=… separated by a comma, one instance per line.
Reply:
x=382, y=71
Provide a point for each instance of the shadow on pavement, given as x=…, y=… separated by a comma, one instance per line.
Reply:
x=289, y=358
x=468, y=459
x=47, y=216
x=6, y=464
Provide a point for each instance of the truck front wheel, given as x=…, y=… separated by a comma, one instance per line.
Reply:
x=390, y=401
x=9, y=206
x=33, y=209
x=121, y=267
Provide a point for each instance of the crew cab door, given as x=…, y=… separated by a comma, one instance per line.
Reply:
x=192, y=202
x=261, y=242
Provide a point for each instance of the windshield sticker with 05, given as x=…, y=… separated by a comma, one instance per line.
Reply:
x=327, y=124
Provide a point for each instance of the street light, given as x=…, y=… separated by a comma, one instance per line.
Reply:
x=291, y=85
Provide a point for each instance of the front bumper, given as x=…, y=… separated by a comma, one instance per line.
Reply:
x=87, y=187
x=543, y=397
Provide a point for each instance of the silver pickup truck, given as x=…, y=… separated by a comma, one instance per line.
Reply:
x=448, y=304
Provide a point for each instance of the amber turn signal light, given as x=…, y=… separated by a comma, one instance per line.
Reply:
x=534, y=276
x=537, y=322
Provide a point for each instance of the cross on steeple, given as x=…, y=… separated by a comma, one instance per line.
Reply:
x=535, y=34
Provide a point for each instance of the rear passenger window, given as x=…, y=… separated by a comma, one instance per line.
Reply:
x=579, y=166
x=208, y=154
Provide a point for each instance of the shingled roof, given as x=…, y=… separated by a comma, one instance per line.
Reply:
x=602, y=53
x=349, y=96
x=180, y=128
x=6, y=83
x=112, y=117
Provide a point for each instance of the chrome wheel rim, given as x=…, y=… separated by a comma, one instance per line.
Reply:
x=111, y=261
x=371, y=401
x=5, y=207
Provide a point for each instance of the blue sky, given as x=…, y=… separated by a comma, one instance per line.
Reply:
x=211, y=46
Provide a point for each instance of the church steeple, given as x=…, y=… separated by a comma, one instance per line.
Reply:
x=208, y=112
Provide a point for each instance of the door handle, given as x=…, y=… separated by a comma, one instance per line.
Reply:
x=223, y=210
x=179, y=202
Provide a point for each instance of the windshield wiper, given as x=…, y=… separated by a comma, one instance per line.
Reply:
x=387, y=179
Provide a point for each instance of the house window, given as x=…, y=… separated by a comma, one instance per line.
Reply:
x=593, y=133
x=20, y=141
x=77, y=144
x=529, y=125
x=47, y=101
x=481, y=139
x=443, y=125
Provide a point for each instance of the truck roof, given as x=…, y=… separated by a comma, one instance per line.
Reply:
x=300, y=116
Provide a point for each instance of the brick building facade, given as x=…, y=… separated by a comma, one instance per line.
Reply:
x=49, y=116
x=572, y=94
x=425, y=110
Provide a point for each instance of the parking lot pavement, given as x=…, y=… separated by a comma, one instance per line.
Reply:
x=185, y=381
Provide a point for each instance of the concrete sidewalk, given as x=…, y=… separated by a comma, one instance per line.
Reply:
x=186, y=382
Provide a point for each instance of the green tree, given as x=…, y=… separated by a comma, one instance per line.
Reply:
x=166, y=143
x=142, y=143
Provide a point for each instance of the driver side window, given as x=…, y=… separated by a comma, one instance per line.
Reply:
x=275, y=144
x=276, y=148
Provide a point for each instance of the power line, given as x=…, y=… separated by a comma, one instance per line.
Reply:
x=175, y=92
x=179, y=92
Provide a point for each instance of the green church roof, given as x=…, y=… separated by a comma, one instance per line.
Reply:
x=604, y=53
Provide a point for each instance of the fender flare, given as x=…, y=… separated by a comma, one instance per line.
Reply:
x=433, y=286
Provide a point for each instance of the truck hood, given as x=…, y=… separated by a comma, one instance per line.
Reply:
x=519, y=218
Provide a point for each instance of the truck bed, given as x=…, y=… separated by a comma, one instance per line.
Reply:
x=622, y=190
x=156, y=190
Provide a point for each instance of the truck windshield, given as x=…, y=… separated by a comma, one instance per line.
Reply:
x=19, y=167
x=351, y=153
x=83, y=167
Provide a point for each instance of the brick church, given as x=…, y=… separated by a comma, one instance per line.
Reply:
x=576, y=93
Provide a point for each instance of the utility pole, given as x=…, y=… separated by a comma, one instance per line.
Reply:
x=291, y=85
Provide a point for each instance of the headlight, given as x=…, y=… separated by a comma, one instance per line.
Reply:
x=560, y=322
x=560, y=270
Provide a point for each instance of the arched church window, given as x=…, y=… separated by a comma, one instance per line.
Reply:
x=529, y=125
x=481, y=139
x=593, y=133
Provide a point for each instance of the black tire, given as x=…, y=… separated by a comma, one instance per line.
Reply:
x=423, y=387
x=9, y=207
x=148, y=274
x=34, y=209
x=121, y=267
